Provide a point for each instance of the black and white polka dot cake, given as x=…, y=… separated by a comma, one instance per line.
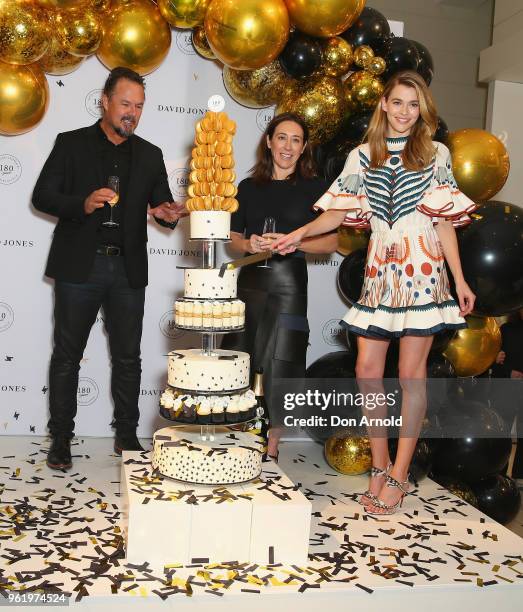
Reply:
x=196, y=372
x=210, y=225
x=232, y=457
x=207, y=284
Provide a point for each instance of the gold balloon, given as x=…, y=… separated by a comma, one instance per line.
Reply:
x=474, y=349
x=57, y=61
x=256, y=88
x=247, y=34
x=99, y=5
x=324, y=18
x=480, y=162
x=184, y=13
x=24, y=97
x=201, y=44
x=363, y=91
x=337, y=57
x=460, y=489
x=135, y=36
x=320, y=102
x=376, y=66
x=348, y=454
x=363, y=56
x=63, y=4
x=351, y=239
x=24, y=34
x=80, y=31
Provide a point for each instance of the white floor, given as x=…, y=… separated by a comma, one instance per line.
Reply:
x=63, y=529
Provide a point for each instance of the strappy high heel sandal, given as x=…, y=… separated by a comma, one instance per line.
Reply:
x=384, y=509
x=368, y=497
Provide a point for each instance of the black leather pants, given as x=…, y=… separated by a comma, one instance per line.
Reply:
x=75, y=311
x=276, y=329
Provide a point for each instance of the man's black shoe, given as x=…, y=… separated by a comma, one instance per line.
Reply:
x=59, y=455
x=127, y=442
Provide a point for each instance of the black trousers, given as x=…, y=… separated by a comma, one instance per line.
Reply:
x=75, y=310
x=276, y=329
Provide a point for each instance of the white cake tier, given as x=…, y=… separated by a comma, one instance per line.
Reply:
x=210, y=225
x=223, y=371
x=209, y=314
x=206, y=284
x=231, y=457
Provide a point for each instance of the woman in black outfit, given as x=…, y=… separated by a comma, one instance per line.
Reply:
x=283, y=185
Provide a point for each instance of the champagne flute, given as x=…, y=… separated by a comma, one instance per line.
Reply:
x=113, y=182
x=269, y=227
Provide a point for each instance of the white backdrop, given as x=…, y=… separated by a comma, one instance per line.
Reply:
x=176, y=96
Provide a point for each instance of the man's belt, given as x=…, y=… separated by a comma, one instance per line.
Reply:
x=109, y=249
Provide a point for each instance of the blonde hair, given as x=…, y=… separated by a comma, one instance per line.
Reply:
x=419, y=149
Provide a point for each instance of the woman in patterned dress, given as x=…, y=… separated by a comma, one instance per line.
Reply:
x=400, y=184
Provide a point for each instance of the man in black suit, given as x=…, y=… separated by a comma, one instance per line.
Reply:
x=99, y=266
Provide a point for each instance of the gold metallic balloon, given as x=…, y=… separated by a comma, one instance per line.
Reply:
x=99, y=5
x=480, y=163
x=351, y=239
x=474, y=349
x=337, y=57
x=376, y=66
x=363, y=56
x=320, y=102
x=136, y=36
x=57, y=61
x=256, y=88
x=63, y=4
x=184, y=13
x=80, y=31
x=247, y=34
x=348, y=454
x=24, y=33
x=24, y=97
x=201, y=44
x=363, y=91
x=324, y=18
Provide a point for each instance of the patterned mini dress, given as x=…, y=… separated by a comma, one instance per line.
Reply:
x=406, y=287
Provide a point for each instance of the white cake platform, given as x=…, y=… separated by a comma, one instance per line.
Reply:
x=167, y=521
x=64, y=531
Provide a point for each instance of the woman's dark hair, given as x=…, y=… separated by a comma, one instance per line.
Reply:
x=118, y=73
x=262, y=170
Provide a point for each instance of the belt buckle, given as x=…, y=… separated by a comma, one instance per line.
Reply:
x=113, y=250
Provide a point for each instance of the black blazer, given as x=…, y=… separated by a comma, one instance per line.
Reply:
x=72, y=171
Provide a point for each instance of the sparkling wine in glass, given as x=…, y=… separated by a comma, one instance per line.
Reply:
x=113, y=182
x=269, y=227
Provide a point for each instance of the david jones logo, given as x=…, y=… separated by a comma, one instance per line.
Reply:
x=87, y=391
x=7, y=316
x=17, y=243
x=179, y=181
x=184, y=42
x=167, y=326
x=10, y=169
x=93, y=103
x=333, y=332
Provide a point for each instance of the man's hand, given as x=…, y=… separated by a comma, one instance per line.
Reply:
x=168, y=211
x=97, y=199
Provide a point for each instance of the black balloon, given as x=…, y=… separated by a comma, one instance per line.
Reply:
x=472, y=457
x=301, y=56
x=422, y=458
x=498, y=497
x=491, y=250
x=442, y=132
x=371, y=28
x=351, y=275
x=401, y=54
x=426, y=64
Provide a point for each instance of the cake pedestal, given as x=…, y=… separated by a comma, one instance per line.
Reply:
x=166, y=521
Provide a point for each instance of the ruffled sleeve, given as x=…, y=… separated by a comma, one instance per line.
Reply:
x=443, y=199
x=347, y=193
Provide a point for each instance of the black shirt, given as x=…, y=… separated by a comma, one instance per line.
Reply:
x=116, y=161
x=289, y=202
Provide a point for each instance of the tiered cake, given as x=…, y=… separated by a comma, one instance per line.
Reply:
x=208, y=386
